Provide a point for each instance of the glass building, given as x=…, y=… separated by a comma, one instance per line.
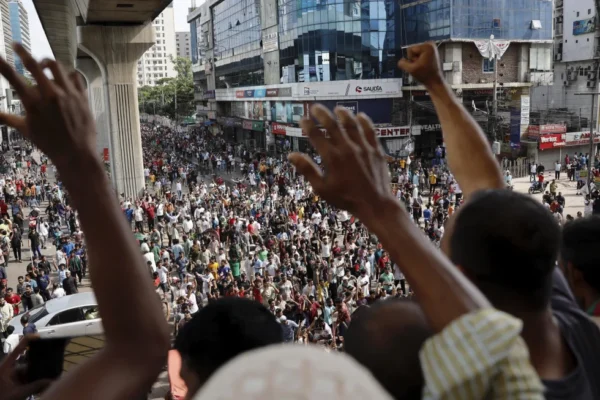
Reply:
x=476, y=19
x=237, y=43
x=329, y=40
x=19, y=26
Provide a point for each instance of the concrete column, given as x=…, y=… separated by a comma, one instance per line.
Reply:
x=523, y=60
x=95, y=86
x=117, y=49
x=269, y=24
x=60, y=23
x=453, y=55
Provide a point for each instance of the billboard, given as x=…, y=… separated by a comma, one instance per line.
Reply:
x=584, y=26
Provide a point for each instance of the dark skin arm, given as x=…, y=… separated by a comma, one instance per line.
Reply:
x=60, y=123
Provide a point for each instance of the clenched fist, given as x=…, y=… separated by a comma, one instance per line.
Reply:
x=423, y=63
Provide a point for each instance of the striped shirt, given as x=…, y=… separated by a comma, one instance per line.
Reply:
x=480, y=355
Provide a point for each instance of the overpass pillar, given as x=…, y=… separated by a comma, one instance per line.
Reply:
x=116, y=50
x=95, y=86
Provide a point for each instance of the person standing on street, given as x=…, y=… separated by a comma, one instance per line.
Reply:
x=15, y=243
x=34, y=242
x=557, y=167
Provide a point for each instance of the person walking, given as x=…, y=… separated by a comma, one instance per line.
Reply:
x=557, y=167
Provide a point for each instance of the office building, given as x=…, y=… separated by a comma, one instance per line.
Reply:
x=7, y=32
x=19, y=23
x=156, y=63
x=183, y=45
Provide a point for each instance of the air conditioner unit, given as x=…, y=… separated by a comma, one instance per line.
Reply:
x=558, y=57
x=566, y=83
x=591, y=76
x=591, y=84
x=559, y=19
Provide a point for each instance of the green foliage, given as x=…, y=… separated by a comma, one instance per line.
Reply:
x=160, y=99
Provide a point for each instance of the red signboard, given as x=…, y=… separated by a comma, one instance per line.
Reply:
x=247, y=125
x=552, y=141
x=239, y=94
x=105, y=154
x=535, y=131
x=278, y=129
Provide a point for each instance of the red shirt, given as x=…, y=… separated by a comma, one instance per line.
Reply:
x=3, y=208
x=541, y=178
x=382, y=262
x=43, y=168
x=257, y=294
x=14, y=299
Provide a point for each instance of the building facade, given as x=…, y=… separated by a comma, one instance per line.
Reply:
x=7, y=32
x=156, y=63
x=182, y=41
x=19, y=23
x=260, y=64
x=561, y=112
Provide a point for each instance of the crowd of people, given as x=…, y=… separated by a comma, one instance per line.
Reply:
x=407, y=280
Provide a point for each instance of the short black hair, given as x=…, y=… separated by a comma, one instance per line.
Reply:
x=223, y=330
x=507, y=243
x=392, y=355
x=579, y=247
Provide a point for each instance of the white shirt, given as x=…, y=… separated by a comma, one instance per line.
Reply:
x=163, y=274
x=61, y=258
x=160, y=210
x=363, y=283
x=10, y=343
x=150, y=257
x=557, y=167
x=138, y=214
x=178, y=186
x=59, y=292
x=194, y=303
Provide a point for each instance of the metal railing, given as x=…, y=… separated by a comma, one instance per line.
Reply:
x=518, y=168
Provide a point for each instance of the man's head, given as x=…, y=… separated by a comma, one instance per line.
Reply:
x=394, y=363
x=221, y=331
x=506, y=243
x=579, y=259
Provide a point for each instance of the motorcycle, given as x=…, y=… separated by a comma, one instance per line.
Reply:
x=537, y=188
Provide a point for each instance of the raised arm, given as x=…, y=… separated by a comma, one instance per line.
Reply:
x=469, y=155
x=357, y=180
x=60, y=123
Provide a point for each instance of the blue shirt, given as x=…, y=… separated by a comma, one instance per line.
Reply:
x=30, y=329
x=68, y=248
x=427, y=214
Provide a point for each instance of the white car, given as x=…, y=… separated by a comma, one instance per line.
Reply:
x=69, y=316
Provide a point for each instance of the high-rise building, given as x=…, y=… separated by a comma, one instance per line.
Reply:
x=7, y=31
x=156, y=63
x=19, y=23
x=183, y=45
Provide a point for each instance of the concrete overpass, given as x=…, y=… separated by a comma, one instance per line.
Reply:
x=103, y=40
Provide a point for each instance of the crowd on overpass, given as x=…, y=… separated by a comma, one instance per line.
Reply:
x=321, y=250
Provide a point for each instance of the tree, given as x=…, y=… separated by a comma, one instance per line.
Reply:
x=171, y=97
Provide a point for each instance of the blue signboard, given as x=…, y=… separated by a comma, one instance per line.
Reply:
x=584, y=26
x=515, y=127
x=260, y=93
x=248, y=93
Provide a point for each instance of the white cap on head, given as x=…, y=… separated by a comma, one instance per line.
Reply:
x=264, y=374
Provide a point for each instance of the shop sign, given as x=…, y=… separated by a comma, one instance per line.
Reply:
x=535, y=131
x=525, y=109
x=552, y=141
x=278, y=129
x=259, y=93
x=239, y=94
x=351, y=106
x=580, y=138
x=270, y=42
x=211, y=114
x=285, y=92
x=258, y=126
x=236, y=122
x=431, y=128
x=352, y=88
x=249, y=93
x=106, y=154
x=208, y=94
x=396, y=131
x=272, y=92
x=247, y=125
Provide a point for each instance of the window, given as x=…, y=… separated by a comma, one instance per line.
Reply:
x=67, y=317
x=488, y=65
x=589, y=11
x=578, y=13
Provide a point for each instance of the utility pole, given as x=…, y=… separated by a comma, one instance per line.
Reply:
x=591, y=126
x=495, y=98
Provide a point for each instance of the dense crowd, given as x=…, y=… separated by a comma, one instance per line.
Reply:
x=245, y=251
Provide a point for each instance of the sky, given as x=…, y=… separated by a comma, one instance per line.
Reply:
x=40, y=47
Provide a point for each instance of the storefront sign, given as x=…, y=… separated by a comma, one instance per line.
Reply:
x=525, y=109
x=285, y=92
x=258, y=126
x=236, y=122
x=552, y=141
x=278, y=129
x=248, y=93
x=534, y=131
x=396, y=131
x=352, y=88
x=239, y=94
x=260, y=93
x=270, y=42
x=208, y=94
x=211, y=114
x=247, y=125
x=272, y=92
x=106, y=154
x=351, y=106
x=431, y=128
x=580, y=138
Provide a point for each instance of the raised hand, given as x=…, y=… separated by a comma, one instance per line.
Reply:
x=58, y=119
x=356, y=176
x=12, y=389
x=423, y=63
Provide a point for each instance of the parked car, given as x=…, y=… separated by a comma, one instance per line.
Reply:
x=68, y=316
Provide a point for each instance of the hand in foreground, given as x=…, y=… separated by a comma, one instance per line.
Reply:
x=423, y=63
x=11, y=388
x=58, y=120
x=356, y=176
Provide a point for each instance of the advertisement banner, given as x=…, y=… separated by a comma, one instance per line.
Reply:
x=525, y=109
x=270, y=42
x=258, y=126
x=515, y=127
x=256, y=110
x=535, y=131
x=208, y=94
x=395, y=131
x=106, y=154
x=584, y=26
x=285, y=92
x=580, y=138
x=247, y=125
x=552, y=141
x=249, y=93
x=352, y=88
x=259, y=93
x=278, y=129
x=272, y=93
x=239, y=94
